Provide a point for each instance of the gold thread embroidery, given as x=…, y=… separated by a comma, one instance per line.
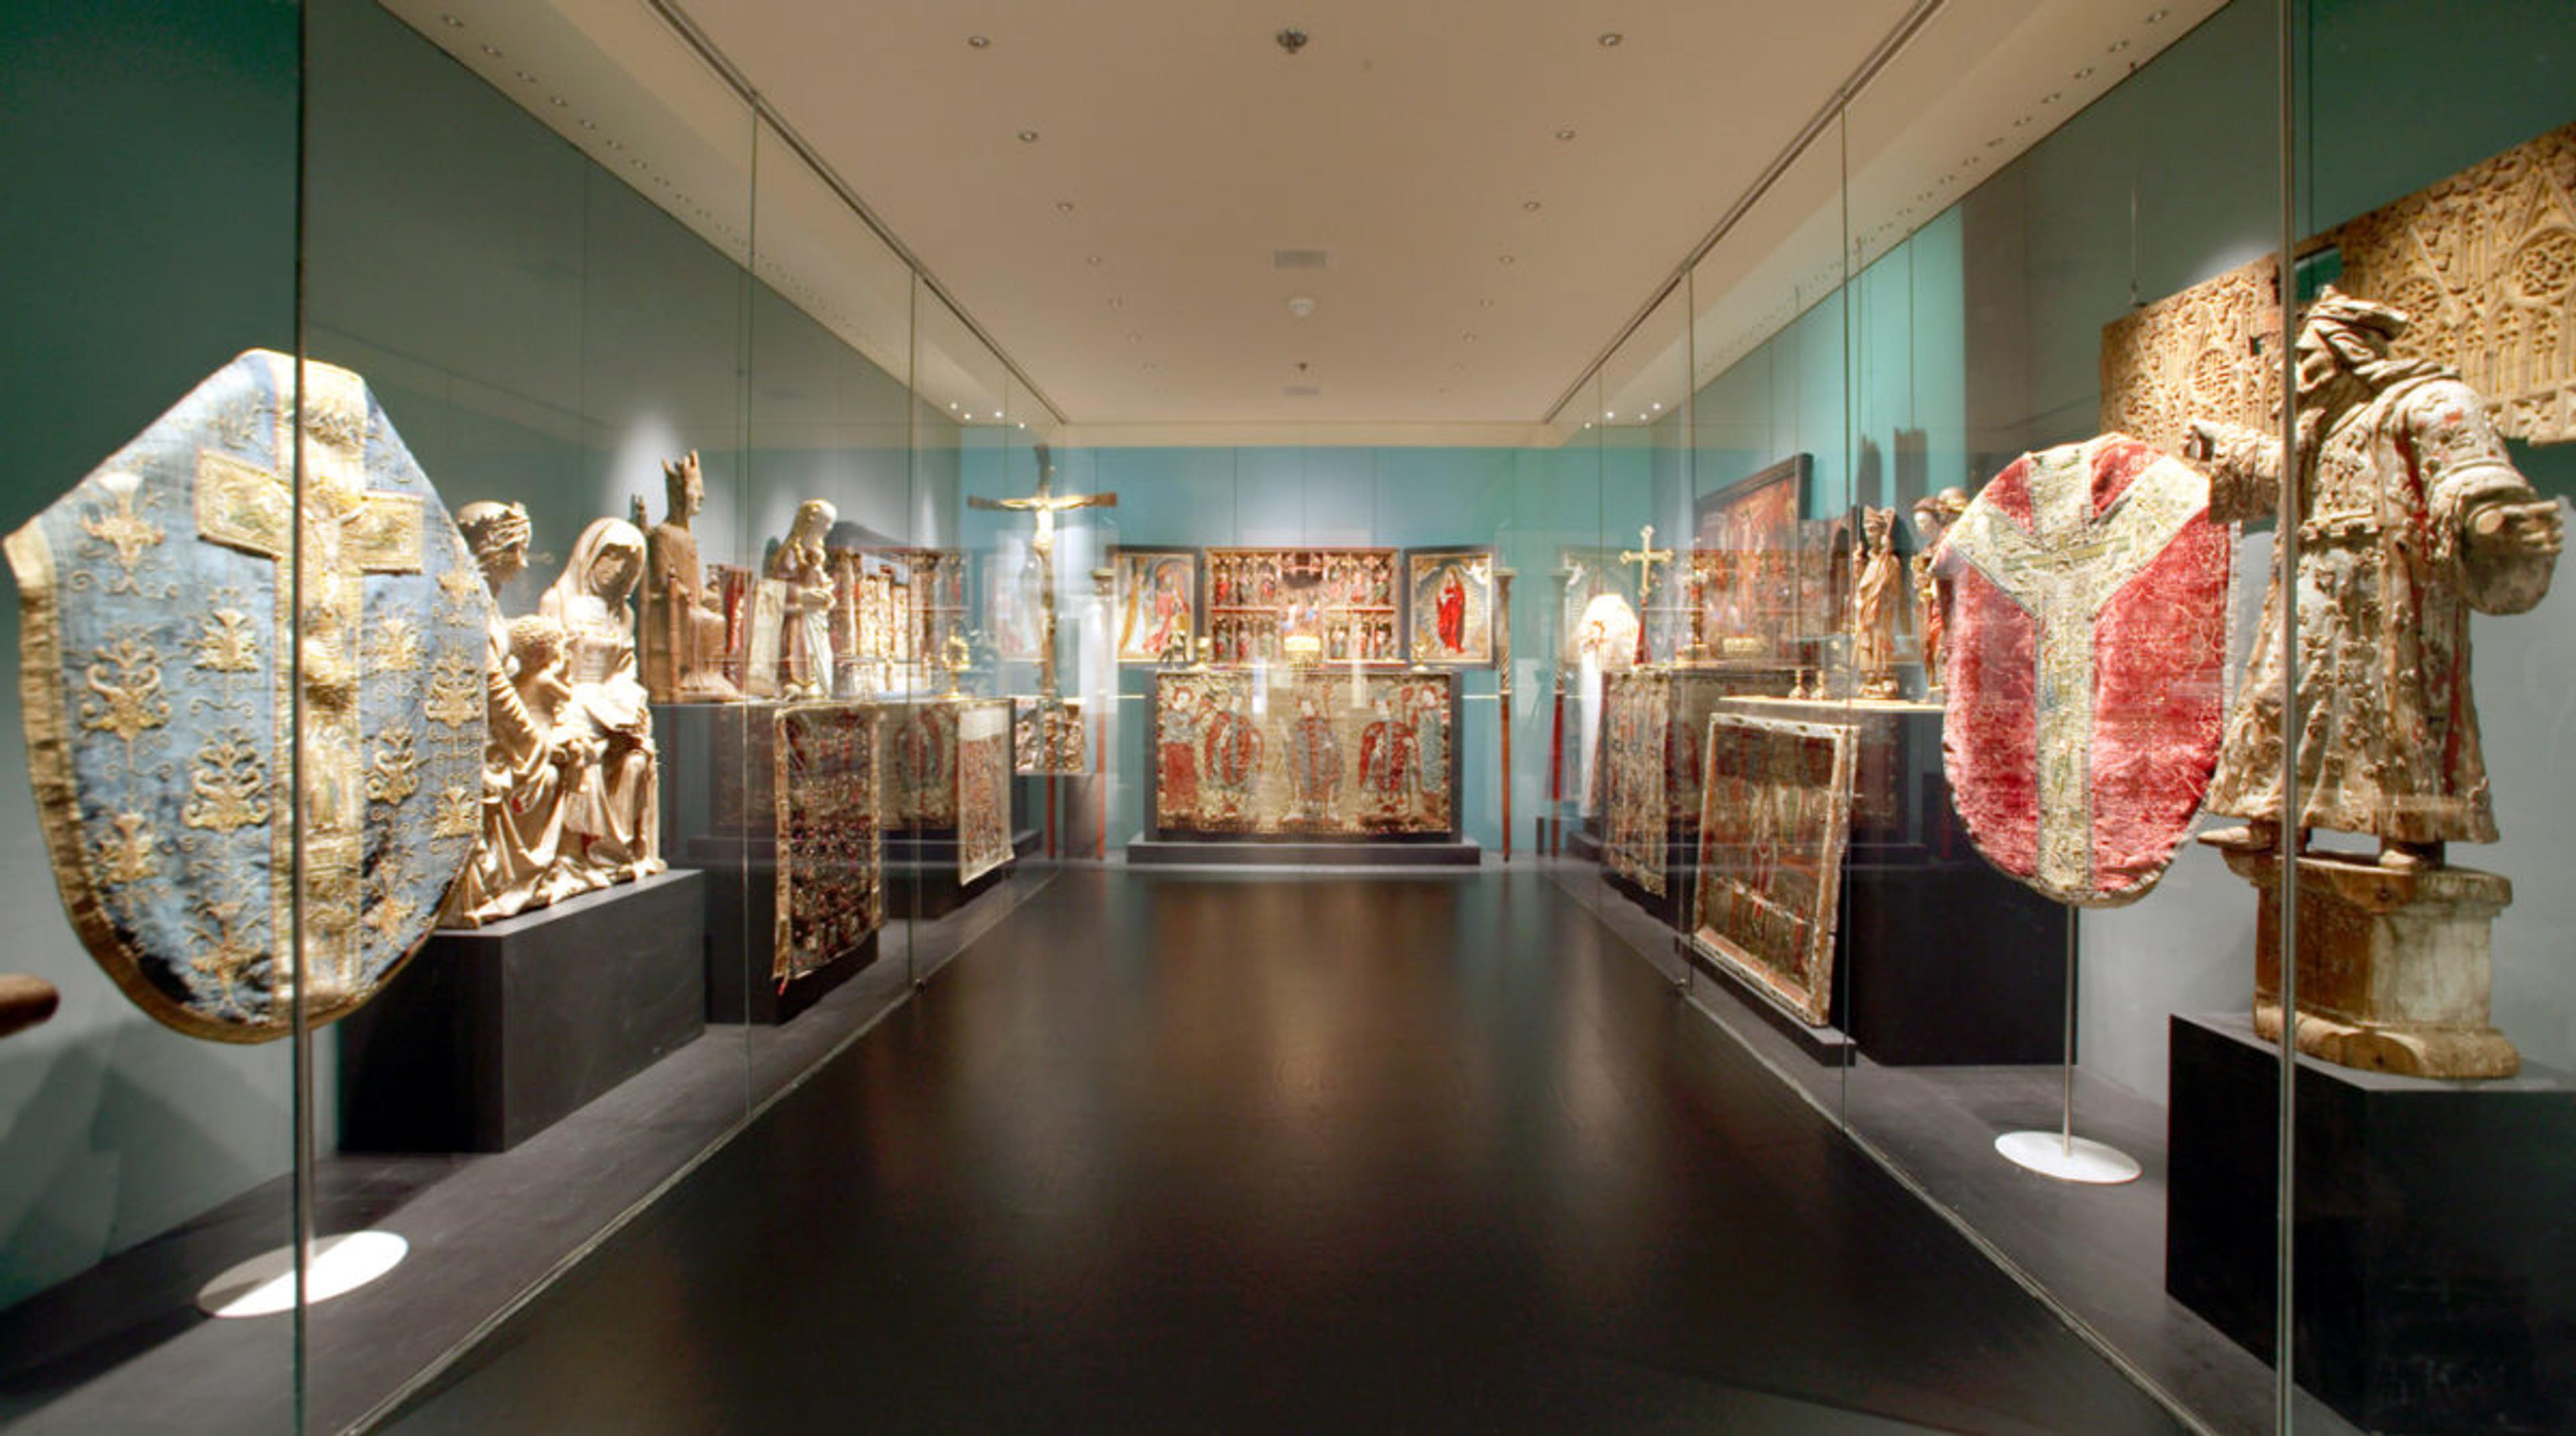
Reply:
x=126, y=679
x=455, y=691
x=121, y=531
x=229, y=788
x=229, y=955
x=127, y=855
x=394, y=774
x=227, y=643
x=397, y=646
x=459, y=814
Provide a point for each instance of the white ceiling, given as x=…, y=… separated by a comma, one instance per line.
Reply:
x=1409, y=141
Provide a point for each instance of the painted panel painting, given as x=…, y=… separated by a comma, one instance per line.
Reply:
x=1450, y=605
x=1775, y=816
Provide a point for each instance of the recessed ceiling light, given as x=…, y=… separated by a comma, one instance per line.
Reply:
x=1531, y=205
x=524, y=77
x=1469, y=337
x=559, y=102
x=1135, y=337
x=1659, y=404
x=590, y=124
x=1028, y=137
x=1439, y=388
x=1117, y=303
x=1610, y=38
x=2157, y=15
x=2084, y=74
x=492, y=50
x=1301, y=305
x=1091, y=259
x=980, y=42
x=1565, y=134
x=1606, y=414
x=455, y=24
x=2050, y=98
x=1506, y=259
x=1064, y=206
x=1484, y=304
x=2116, y=47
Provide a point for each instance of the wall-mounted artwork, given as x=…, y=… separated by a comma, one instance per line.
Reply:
x=1450, y=605
x=983, y=787
x=1157, y=597
x=1332, y=755
x=1760, y=579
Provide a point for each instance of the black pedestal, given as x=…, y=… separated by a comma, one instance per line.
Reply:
x=490, y=1035
x=2434, y=1243
x=742, y=938
x=1950, y=963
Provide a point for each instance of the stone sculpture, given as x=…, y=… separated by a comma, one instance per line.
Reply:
x=612, y=814
x=796, y=606
x=2412, y=516
x=684, y=623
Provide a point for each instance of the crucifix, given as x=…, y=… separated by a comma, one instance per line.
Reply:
x=1646, y=556
x=1046, y=504
x=343, y=532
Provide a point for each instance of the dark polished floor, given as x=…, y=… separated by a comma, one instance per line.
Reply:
x=1248, y=1153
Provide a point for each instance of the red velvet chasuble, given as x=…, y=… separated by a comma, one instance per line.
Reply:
x=2087, y=633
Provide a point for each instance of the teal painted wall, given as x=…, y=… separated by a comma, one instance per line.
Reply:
x=149, y=154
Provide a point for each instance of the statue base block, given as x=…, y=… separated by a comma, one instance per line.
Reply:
x=2435, y=1266
x=490, y=1035
x=2393, y=964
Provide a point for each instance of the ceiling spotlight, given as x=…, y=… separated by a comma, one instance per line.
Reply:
x=524, y=77
x=2084, y=74
x=1469, y=337
x=1606, y=414
x=1531, y=205
x=1565, y=134
x=1117, y=303
x=980, y=42
x=590, y=124
x=559, y=102
x=1506, y=259
x=1301, y=305
x=1484, y=304
x=1028, y=137
x=1064, y=206
x=455, y=24
x=492, y=50
x=1610, y=38
x=1291, y=39
x=2158, y=15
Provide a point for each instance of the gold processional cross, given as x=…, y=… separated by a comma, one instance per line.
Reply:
x=2062, y=571
x=1646, y=556
x=1046, y=504
x=346, y=533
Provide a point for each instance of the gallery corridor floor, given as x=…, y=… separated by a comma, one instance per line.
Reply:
x=1237, y=1153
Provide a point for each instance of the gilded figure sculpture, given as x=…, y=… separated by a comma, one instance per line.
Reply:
x=1933, y=515
x=1878, y=603
x=612, y=814
x=684, y=623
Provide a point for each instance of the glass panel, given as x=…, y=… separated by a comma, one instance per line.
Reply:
x=139, y=1156
x=2436, y=150
x=1767, y=653
x=2029, y=935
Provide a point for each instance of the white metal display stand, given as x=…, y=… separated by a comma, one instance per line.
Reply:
x=265, y=1284
x=2062, y=1154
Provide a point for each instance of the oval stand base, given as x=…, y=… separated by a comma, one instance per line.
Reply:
x=265, y=1284
x=2083, y=1160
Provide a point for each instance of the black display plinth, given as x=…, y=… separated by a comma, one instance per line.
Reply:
x=1277, y=852
x=2435, y=1253
x=1951, y=964
x=742, y=938
x=1824, y=1043
x=921, y=870
x=489, y=1035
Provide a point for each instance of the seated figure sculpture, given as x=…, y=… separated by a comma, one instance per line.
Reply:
x=612, y=816
x=684, y=624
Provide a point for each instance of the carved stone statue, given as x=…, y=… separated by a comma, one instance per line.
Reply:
x=800, y=589
x=533, y=761
x=684, y=625
x=2410, y=517
x=1933, y=515
x=612, y=815
x=1878, y=604
x=2413, y=516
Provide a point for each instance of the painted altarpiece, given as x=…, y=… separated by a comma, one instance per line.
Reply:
x=1346, y=600
x=1340, y=755
x=1449, y=605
